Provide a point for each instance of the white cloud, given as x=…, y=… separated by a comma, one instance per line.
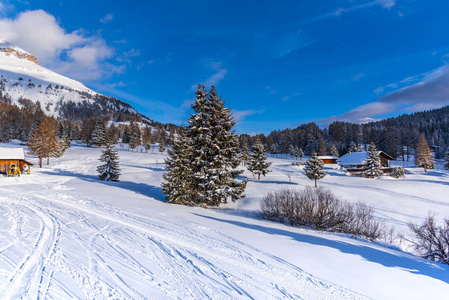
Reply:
x=219, y=74
x=387, y=4
x=75, y=54
x=291, y=96
x=240, y=115
x=430, y=92
x=107, y=18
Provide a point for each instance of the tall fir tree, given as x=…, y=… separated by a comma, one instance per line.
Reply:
x=126, y=137
x=424, y=156
x=373, y=162
x=178, y=186
x=135, y=139
x=314, y=167
x=244, y=153
x=215, y=151
x=334, y=151
x=98, y=136
x=300, y=154
x=110, y=170
x=161, y=147
x=257, y=163
x=322, y=149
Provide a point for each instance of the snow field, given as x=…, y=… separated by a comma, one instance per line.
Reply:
x=64, y=234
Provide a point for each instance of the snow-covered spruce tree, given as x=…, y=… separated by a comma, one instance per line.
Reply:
x=98, y=137
x=215, y=151
x=135, y=139
x=322, y=149
x=257, y=163
x=244, y=153
x=446, y=161
x=424, y=156
x=110, y=171
x=274, y=149
x=334, y=151
x=178, y=187
x=372, y=162
x=314, y=167
x=300, y=154
x=161, y=147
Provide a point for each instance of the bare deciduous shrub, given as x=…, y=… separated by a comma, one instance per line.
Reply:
x=432, y=241
x=322, y=210
x=363, y=222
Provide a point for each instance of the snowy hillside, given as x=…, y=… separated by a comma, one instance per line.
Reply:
x=64, y=234
x=22, y=77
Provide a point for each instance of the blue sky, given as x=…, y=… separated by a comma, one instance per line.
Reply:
x=276, y=64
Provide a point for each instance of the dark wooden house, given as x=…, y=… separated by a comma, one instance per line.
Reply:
x=13, y=156
x=327, y=159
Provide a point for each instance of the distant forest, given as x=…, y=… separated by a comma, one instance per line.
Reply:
x=395, y=136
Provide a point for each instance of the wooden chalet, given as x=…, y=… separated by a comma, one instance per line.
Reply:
x=355, y=162
x=13, y=156
x=328, y=160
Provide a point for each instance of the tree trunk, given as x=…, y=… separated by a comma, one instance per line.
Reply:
x=48, y=160
x=40, y=161
x=315, y=183
x=259, y=176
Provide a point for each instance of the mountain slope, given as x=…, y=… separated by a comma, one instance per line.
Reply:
x=22, y=77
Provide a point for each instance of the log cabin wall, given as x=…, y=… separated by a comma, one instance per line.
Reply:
x=5, y=164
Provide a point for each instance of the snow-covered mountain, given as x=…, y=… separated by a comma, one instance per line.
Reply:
x=22, y=78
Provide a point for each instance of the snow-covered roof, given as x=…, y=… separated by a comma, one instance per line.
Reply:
x=12, y=153
x=327, y=157
x=353, y=158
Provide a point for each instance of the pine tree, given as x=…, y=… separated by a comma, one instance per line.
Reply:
x=334, y=151
x=322, y=149
x=98, y=137
x=110, y=171
x=161, y=147
x=244, y=153
x=373, y=162
x=446, y=161
x=86, y=131
x=135, y=139
x=300, y=154
x=257, y=164
x=126, y=135
x=63, y=145
x=178, y=186
x=43, y=142
x=215, y=151
x=296, y=152
x=314, y=167
x=424, y=156
x=274, y=149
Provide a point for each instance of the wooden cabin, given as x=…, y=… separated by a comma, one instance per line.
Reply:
x=328, y=160
x=13, y=156
x=355, y=162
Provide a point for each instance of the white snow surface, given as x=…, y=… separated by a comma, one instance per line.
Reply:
x=11, y=153
x=64, y=234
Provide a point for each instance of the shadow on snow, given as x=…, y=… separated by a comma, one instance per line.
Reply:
x=140, y=188
x=401, y=259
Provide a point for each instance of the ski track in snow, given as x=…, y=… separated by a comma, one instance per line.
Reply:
x=107, y=253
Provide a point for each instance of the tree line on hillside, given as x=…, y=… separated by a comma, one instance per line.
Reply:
x=396, y=136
